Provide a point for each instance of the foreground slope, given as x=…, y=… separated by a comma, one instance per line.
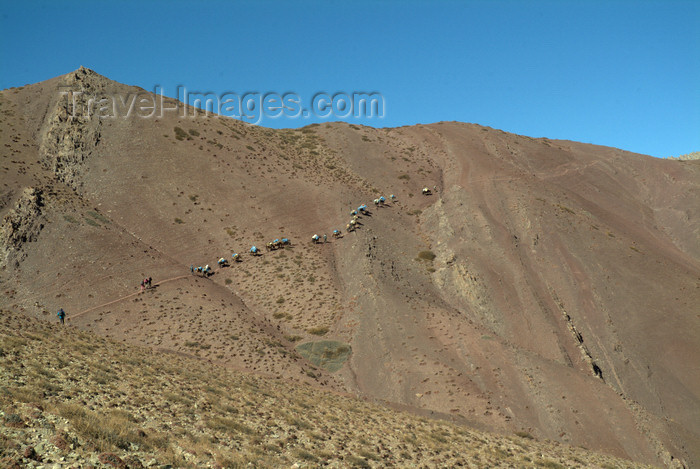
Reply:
x=546, y=286
x=70, y=397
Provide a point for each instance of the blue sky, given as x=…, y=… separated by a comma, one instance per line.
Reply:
x=618, y=73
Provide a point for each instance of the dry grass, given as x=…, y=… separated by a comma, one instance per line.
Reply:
x=105, y=399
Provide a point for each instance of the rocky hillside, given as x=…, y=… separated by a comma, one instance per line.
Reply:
x=545, y=287
x=687, y=157
x=73, y=399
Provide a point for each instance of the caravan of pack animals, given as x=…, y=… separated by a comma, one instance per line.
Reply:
x=278, y=243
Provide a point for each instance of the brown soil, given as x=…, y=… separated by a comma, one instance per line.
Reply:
x=562, y=299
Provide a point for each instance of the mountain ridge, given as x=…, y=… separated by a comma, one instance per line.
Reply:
x=550, y=259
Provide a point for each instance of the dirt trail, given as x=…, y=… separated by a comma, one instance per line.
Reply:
x=73, y=316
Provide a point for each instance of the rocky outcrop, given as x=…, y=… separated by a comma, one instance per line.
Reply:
x=20, y=225
x=585, y=353
x=72, y=130
x=687, y=157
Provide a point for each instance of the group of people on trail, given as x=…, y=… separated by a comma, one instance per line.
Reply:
x=146, y=283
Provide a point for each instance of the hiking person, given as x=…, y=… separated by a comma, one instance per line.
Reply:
x=325, y=238
x=61, y=315
x=143, y=285
x=150, y=282
x=192, y=269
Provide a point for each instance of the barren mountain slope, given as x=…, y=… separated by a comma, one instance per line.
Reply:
x=562, y=297
x=73, y=399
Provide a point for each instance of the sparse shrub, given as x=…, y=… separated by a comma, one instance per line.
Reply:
x=60, y=442
x=356, y=461
x=332, y=354
x=179, y=221
x=106, y=432
x=102, y=377
x=322, y=330
x=180, y=134
x=228, y=426
x=111, y=459
x=228, y=281
x=368, y=455
x=305, y=455
x=297, y=422
x=524, y=434
x=280, y=300
x=97, y=216
x=194, y=133
x=14, y=421
x=566, y=209
x=549, y=464
x=405, y=176
x=426, y=255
